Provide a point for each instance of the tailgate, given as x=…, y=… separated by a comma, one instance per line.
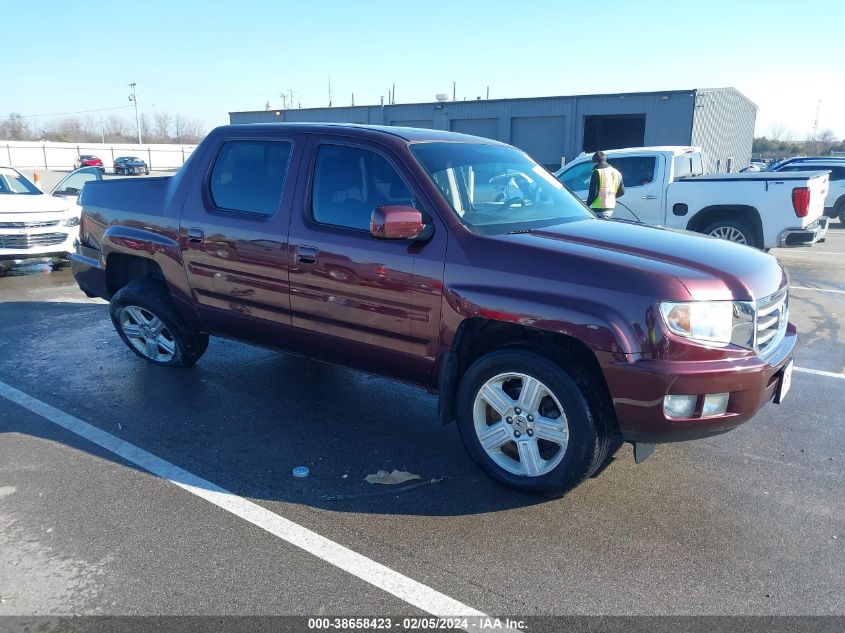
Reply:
x=819, y=186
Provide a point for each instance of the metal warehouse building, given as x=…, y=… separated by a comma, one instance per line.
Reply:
x=553, y=129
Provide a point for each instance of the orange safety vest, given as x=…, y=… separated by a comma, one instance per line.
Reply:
x=609, y=179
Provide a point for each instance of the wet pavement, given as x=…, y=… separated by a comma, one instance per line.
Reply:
x=751, y=522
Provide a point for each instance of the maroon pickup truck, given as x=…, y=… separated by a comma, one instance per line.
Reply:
x=451, y=262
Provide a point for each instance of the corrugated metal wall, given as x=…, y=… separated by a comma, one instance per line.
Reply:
x=551, y=128
x=723, y=125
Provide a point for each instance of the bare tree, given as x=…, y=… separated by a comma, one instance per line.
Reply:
x=145, y=126
x=826, y=137
x=187, y=130
x=116, y=128
x=15, y=128
x=778, y=132
x=163, y=122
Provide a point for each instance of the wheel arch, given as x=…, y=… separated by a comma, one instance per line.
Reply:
x=477, y=336
x=745, y=214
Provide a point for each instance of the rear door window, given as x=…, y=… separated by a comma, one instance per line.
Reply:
x=636, y=170
x=249, y=176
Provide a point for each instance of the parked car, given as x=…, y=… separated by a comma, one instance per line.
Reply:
x=35, y=226
x=667, y=186
x=130, y=165
x=89, y=160
x=834, y=204
x=452, y=262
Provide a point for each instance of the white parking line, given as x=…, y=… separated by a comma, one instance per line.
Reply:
x=819, y=372
x=840, y=292
x=394, y=583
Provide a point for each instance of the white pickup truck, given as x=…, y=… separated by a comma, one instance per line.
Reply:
x=666, y=186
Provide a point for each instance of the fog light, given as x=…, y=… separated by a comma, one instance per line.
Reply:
x=679, y=406
x=715, y=404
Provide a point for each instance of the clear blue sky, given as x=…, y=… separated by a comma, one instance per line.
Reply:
x=207, y=58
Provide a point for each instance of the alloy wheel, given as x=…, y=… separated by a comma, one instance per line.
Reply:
x=730, y=234
x=148, y=334
x=520, y=424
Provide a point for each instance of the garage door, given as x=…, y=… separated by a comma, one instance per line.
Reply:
x=488, y=128
x=543, y=137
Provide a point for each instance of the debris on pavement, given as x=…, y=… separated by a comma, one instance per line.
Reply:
x=396, y=477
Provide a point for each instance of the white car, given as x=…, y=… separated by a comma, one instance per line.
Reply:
x=667, y=186
x=35, y=226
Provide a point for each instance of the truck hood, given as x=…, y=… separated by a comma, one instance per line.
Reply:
x=41, y=203
x=709, y=268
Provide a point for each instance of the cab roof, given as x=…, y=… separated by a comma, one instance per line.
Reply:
x=409, y=134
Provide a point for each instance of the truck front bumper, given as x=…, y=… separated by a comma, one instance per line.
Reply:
x=638, y=390
x=806, y=236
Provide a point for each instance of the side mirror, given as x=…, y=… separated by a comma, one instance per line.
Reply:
x=396, y=222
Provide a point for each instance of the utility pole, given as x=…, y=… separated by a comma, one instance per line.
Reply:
x=330, y=91
x=102, y=130
x=134, y=98
x=453, y=90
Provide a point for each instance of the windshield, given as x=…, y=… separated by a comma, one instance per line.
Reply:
x=497, y=189
x=12, y=182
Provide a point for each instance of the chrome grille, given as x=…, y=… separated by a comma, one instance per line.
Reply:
x=771, y=320
x=31, y=241
x=28, y=225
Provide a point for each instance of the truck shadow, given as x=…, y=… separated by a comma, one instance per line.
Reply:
x=244, y=417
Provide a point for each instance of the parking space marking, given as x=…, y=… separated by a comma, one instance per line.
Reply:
x=378, y=575
x=819, y=372
x=841, y=292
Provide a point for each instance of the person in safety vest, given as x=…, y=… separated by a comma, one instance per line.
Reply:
x=605, y=186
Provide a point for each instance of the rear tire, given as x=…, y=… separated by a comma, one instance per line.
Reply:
x=732, y=231
x=839, y=210
x=143, y=314
x=555, y=438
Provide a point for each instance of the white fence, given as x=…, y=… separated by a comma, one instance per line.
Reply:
x=47, y=155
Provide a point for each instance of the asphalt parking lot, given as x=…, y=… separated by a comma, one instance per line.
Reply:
x=747, y=523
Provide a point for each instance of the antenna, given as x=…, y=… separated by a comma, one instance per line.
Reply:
x=330, y=91
x=353, y=99
x=453, y=91
x=394, y=92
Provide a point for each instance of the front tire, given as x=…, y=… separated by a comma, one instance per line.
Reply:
x=143, y=314
x=732, y=231
x=527, y=423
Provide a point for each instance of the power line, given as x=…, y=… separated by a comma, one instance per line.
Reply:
x=33, y=116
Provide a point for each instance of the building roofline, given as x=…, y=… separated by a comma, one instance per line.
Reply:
x=515, y=99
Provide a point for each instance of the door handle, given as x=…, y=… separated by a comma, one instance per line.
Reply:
x=307, y=254
x=195, y=235
x=649, y=197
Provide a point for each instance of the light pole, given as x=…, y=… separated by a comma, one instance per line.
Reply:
x=134, y=98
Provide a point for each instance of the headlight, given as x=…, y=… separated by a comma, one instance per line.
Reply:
x=74, y=221
x=711, y=321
